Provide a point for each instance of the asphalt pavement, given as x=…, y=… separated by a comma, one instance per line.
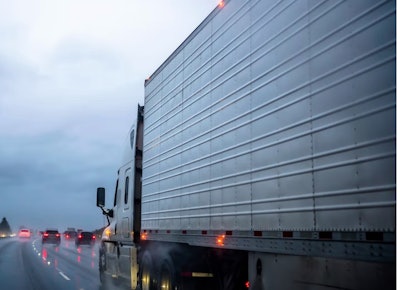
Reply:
x=27, y=264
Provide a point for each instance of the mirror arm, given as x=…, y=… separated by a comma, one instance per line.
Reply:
x=107, y=213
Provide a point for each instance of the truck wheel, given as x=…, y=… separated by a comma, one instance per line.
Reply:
x=167, y=276
x=102, y=265
x=148, y=273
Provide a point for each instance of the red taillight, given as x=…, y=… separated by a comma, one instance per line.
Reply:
x=93, y=237
x=57, y=235
x=46, y=234
x=80, y=236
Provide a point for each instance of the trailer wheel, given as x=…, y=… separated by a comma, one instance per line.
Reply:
x=148, y=273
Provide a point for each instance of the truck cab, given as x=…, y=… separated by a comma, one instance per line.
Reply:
x=123, y=229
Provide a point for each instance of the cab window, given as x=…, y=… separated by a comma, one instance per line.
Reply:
x=126, y=189
x=115, y=194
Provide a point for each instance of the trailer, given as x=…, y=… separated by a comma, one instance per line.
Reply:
x=264, y=156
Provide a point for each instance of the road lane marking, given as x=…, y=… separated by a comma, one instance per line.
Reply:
x=39, y=254
x=64, y=276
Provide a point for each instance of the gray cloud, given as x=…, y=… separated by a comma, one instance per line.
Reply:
x=70, y=82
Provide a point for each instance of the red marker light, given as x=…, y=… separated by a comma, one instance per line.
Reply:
x=247, y=284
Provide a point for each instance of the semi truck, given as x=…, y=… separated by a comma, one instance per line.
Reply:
x=264, y=156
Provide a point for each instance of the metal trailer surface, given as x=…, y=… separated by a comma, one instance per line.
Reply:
x=265, y=155
x=275, y=120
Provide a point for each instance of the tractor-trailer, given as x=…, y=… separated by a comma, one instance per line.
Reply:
x=264, y=156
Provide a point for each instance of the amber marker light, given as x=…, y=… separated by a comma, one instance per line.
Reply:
x=108, y=232
x=221, y=240
x=143, y=236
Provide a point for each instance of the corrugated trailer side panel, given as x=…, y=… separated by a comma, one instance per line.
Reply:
x=275, y=116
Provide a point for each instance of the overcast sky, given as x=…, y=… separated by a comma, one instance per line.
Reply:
x=71, y=75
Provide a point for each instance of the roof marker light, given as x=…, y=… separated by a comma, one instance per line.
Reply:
x=221, y=4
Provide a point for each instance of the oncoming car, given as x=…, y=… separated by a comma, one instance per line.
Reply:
x=51, y=237
x=85, y=238
x=24, y=233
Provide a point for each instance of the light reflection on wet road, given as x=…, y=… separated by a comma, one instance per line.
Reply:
x=26, y=264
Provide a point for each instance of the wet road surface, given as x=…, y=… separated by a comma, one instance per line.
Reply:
x=26, y=264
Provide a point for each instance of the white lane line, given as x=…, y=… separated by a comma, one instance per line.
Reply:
x=59, y=272
x=64, y=276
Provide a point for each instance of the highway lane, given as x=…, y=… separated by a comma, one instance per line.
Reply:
x=26, y=264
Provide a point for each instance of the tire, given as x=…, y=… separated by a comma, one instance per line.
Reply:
x=102, y=265
x=148, y=273
x=107, y=282
x=167, y=280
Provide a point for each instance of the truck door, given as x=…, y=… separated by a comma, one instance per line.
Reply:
x=125, y=207
x=124, y=224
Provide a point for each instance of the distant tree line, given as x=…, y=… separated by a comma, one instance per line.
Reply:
x=5, y=229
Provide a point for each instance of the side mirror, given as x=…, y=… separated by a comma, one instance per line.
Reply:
x=101, y=197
